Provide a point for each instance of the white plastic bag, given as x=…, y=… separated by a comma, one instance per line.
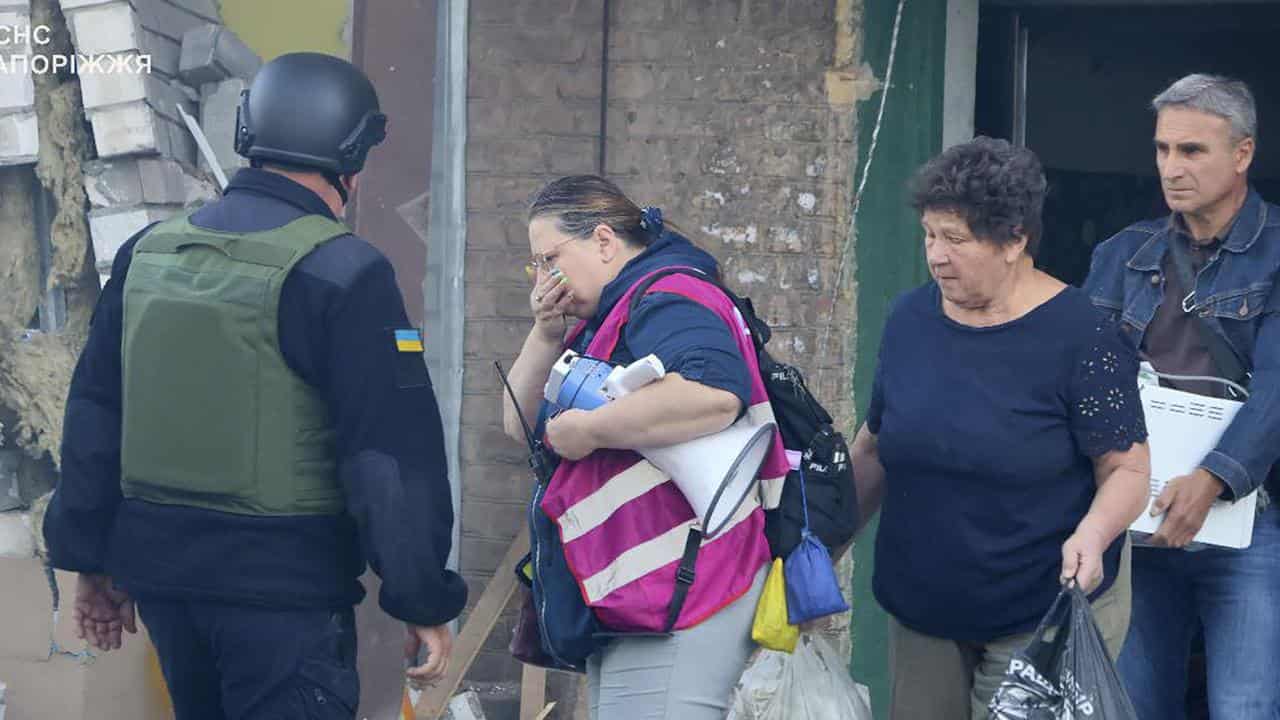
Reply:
x=813, y=683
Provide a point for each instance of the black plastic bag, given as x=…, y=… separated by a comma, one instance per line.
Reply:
x=1065, y=673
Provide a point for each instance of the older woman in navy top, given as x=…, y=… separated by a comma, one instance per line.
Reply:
x=1005, y=437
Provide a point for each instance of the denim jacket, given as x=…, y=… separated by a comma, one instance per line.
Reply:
x=1238, y=294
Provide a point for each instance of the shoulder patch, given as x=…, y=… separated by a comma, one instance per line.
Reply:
x=405, y=357
x=409, y=341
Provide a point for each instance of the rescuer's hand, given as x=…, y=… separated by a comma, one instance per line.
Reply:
x=102, y=612
x=439, y=643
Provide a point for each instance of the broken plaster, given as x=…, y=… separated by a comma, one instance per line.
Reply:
x=35, y=368
x=732, y=234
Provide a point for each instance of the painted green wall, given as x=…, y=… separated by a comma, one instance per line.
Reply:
x=889, y=253
x=275, y=27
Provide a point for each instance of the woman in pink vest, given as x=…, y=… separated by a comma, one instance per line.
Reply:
x=623, y=525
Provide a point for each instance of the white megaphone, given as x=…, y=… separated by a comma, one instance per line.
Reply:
x=715, y=473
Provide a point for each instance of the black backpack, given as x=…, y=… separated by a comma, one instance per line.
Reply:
x=805, y=426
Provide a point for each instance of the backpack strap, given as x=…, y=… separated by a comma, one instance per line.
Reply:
x=759, y=336
x=684, y=578
x=760, y=332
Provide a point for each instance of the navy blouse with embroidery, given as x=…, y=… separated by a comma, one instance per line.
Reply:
x=987, y=436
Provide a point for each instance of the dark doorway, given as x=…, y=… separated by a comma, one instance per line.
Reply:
x=1074, y=81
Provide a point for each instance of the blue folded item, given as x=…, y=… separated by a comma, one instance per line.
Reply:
x=812, y=588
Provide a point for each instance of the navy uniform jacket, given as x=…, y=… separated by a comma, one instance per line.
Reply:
x=336, y=309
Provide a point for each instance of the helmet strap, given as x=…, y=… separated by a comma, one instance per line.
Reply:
x=336, y=181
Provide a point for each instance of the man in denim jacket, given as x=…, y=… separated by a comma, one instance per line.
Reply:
x=1204, y=141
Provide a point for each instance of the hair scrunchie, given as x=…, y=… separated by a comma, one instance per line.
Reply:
x=651, y=221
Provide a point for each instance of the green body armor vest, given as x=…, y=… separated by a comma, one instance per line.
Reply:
x=213, y=416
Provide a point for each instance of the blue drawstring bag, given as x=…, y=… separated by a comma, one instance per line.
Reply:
x=812, y=588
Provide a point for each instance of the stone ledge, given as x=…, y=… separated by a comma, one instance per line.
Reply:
x=106, y=28
x=111, y=228
x=212, y=53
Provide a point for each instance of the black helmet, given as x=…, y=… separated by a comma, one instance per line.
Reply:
x=310, y=110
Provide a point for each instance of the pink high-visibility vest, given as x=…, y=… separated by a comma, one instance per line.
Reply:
x=623, y=522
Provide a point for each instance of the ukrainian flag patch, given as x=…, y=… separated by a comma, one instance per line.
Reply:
x=409, y=341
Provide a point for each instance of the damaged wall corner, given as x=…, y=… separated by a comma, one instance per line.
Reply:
x=37, y=370
x=147, y=167
x=32, y=384
x=48, y=287
x=47, y=283
x=19, y=297
x=64, y=148
x=19, y=255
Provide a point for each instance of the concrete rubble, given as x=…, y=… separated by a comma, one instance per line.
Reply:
x=217, y=62
x=211, y=53
x=127, y=194
x=148, y=166
x=45, y=292
x=464, y=706
x=57, y=254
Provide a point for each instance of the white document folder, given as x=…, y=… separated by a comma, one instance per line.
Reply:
x=1182, y=428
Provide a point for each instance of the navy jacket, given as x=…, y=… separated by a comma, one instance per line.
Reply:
x=336, y=308
x=1237, y=293
x=688, y=338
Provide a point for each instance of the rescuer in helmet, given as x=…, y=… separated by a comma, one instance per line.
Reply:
x=251, y=422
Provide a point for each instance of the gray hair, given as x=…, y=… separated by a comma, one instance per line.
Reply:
x=1225, y=97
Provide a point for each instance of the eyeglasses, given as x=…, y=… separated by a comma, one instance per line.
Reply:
x=544, y=262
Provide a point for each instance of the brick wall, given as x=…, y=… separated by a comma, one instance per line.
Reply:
x=19, y=129
x=718, y=112
x=533, y=115
x=147, y=160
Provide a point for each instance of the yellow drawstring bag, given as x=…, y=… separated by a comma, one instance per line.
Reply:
x=770, y=628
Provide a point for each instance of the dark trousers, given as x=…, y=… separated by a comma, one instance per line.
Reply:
x=232, y=662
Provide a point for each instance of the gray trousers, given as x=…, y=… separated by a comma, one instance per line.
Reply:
x=689, y=676
x=939, y=679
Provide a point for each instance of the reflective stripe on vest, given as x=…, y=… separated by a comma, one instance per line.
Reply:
x=592, y=511
x=624, y=524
